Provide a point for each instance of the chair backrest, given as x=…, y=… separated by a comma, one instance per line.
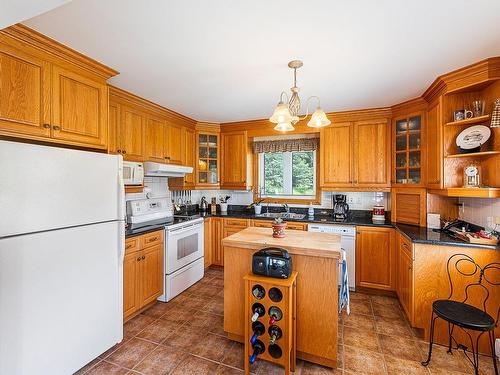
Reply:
x=480, y=279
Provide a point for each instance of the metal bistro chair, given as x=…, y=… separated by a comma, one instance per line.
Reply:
x=466, y=316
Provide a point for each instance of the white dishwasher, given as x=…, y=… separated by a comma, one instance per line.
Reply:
x=347, y=242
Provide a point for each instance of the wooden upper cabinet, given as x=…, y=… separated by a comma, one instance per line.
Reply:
x=434, y=146
x=236, y=161
x=372, y=161
x=207, y=159
x=173, y=145
x=375, y=258
x=24, y=93
x=189, y=155
x=154, y=139
x=131, y=133
x=79, y=108
x=336, y=156
x=50, y=93
x=113, y=124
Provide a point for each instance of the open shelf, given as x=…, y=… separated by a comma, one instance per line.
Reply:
x=474, y=154
x=468, y=192
x=470, y=121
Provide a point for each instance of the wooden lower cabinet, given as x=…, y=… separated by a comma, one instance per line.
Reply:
x=207, y=242
x=217, y=252
x=375, y=258
x=404, y=284
x=142, y=272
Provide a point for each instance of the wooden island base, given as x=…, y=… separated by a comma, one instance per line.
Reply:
x=315, y=258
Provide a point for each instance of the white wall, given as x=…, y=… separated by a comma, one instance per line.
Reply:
x=157, y=187
x=477, y=210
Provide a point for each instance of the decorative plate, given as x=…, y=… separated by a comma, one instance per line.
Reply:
x=473, y=137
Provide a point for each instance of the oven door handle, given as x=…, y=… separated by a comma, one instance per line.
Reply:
x=181, y=230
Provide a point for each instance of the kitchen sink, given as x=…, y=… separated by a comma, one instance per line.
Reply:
x=283, y=215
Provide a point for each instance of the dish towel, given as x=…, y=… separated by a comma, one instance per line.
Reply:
x=344, y=285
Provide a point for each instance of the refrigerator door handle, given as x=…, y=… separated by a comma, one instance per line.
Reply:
x=121, y=189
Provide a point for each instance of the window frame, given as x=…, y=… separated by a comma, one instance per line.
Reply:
x=314, y=199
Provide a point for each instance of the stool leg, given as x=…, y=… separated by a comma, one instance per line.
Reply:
x=450, y=333
x=433, y=320
x=491, y=334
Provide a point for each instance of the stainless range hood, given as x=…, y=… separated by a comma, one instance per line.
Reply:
x=152, y=169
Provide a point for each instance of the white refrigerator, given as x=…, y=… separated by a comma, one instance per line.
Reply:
x=61, y=257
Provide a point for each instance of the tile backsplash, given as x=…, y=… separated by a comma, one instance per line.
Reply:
x=158, y=187
x=477, y=210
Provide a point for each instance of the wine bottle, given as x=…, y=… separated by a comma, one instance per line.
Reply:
x=258, y=291
x=275, y=333
x=258, y=330
x=258, y=310
x=258, y=348
x=275, y=315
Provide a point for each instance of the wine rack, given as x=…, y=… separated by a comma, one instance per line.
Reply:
x=270, y=315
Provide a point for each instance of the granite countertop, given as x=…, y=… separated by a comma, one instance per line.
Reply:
x=356, y=217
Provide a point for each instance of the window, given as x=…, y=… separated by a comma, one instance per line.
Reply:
x=288, y=174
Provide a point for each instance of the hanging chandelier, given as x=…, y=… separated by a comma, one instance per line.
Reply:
x=286, y=114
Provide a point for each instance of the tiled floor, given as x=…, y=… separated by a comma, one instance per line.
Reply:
x=185, y=336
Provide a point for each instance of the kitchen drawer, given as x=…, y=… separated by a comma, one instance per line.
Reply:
x=153, y=238
x=262, y=223
x=242, y=223
x=296, y=226
x=132, y=245
x=406, y=245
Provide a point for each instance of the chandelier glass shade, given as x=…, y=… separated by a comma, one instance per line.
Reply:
x=286, y=114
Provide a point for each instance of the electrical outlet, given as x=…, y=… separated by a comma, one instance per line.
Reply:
x=496, y=220
x=350, y=199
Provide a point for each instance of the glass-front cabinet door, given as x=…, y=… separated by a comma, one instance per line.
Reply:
x=208, y=151
x=407, y=160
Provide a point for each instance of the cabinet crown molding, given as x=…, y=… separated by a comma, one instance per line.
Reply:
x=33, y=38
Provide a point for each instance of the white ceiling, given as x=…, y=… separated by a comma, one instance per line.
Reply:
x=14, y=11
x=226, y=60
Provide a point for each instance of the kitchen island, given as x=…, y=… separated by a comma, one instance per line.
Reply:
x=315, y=257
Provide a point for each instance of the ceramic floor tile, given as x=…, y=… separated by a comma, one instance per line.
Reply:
x=185, y=338
x=178, y=314
x=384, y=300
x=361, y=338
x=361, y=307
x=158, y=309
x=106, y=368
x=308, y=368
x=159, y=331
x=161, y=361
x=192, y=365
x=136, y=325
x=131, y=353
x=396, y=366
x=388, y=311
x=224, y=370
x=359, y=321
x=234, y=356
x=441, y=360
x=215, y=305
x=400, y=347
x=216, y=325
x=362, y=361
x=200, y=319
x=212, y=347
x=392, y=327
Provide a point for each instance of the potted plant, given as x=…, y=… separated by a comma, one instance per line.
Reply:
x=279, y=228
x=257, y=206
x=223, y=203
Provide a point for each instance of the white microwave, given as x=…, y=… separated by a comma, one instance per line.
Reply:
x=133, y=173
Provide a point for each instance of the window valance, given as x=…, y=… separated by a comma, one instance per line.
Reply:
x=285, y=145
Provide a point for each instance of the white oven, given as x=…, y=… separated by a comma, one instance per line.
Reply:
x=133, y=173
x=184, y=262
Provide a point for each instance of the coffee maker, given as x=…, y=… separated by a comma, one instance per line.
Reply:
x=340, y=207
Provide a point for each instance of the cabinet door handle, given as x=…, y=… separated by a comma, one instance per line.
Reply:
x=143, y=257
x=56, y=127
x=124, y=152
x=128, y=246
x=46, y=126
x=138, y=259
x=152, y=239
x=119, y=151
